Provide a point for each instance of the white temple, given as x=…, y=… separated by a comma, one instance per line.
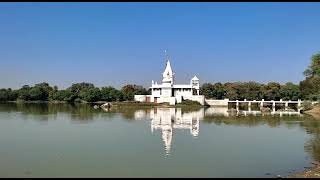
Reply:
x=168, y=92
x=167, y=120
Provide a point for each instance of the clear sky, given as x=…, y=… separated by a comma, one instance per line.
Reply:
x=119, y=43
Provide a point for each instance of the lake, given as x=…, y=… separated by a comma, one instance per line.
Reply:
x=65, y=140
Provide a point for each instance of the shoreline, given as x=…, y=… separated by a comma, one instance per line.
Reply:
x=315, y=112
x=114, y=103
x=313, y=172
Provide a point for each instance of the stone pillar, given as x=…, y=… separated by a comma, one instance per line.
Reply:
x=249, y=106
x=299, y=103
x=237, y=105
x=198, y=92
x=261, y=104
x=286, y=106
x=273, y=106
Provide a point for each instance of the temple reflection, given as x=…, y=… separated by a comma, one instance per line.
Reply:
x=169, y=119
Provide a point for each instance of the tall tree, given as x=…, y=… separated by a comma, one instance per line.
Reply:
x=272, y=91
x=290, y=91
x=314, y=67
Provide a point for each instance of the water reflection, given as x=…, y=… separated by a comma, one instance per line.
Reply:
x=168, y=119
x=225, y=111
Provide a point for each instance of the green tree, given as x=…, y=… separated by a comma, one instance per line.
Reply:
x=128, y=91
x=271, y=91
x=310, y=87
x=207, y=90
x=3, y=95
x=249, y=90
x=45, y=91
x=219, y=91
x=110, y=94
x=314, y=68
x=232, y=91
x=52, y=93
x=63, y=95
x=36, y=94
x=290, y=91
x=12, y=94
x=23, y=93
x=91, y=95
x=78, y=87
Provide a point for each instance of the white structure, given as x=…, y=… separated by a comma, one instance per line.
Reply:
x=168, y=92
x=168, y=119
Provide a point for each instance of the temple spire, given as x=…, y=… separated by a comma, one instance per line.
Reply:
x=167, y=73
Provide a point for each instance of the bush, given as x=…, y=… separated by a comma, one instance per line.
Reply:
x=63, y=95
x=91, y=95
x=190, y=103
x=307, y=105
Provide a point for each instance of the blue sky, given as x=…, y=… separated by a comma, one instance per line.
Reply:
x=119, y=43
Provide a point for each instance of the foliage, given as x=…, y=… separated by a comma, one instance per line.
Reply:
x=91, y=95
x=272, y=91
x=290, y=91
x=77, y=88
x=8, y=95
x=77, y=92
x=128, y=91
x=190, y=103
x=310, y=87
x=251, y=91
x=314, y=67
x=111, y=94
x=306, y=105
x=63, y=95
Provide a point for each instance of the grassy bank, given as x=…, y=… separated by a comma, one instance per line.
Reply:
x=314, y=110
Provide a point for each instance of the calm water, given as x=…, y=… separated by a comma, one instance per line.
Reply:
x=41, y=140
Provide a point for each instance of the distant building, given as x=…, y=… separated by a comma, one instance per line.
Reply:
x=168, y=92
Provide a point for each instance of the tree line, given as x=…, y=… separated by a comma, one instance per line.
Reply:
x=251, y=91
x=307, y=89
x=77, y=92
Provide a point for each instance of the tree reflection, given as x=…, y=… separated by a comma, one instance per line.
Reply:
x=168, y=120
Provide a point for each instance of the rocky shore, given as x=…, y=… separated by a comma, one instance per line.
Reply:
x=313, y=172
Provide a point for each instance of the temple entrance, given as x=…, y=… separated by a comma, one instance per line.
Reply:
x=147, y=99
x=194, y=92
x=155, y=100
